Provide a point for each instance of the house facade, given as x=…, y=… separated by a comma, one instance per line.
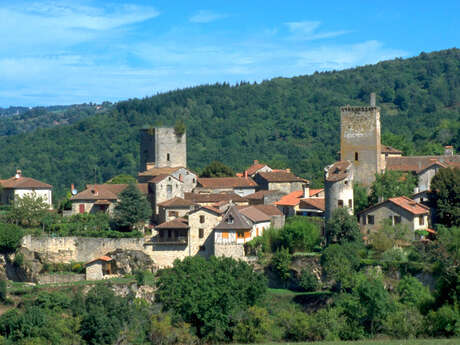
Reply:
x=283, y=181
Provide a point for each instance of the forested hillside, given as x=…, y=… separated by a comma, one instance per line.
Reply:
x=285, y=121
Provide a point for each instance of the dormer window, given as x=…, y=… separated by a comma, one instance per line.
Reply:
x=230, y=219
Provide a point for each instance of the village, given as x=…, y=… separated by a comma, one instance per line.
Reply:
x=217, y=216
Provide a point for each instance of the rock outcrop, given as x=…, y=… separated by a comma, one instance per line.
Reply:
x=129, y=261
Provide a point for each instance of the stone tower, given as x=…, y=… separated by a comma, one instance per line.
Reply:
x=162, y=147
x=338, y=187
x=360, y=141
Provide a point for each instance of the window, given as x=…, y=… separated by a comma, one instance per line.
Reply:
x=340, y=203
x=168, y=157
x=230, y=219
x=370, y=219
x=240, y=234
x=169, y=233
x=169, y=191
x=173, y=214
x=247, y=234
x=225, y=235
x=397, y=219
x=202, y=219
x=202, y=248
x=421, y=220
x=194, y=180
x=350, y=203
x=200, y=233
x=356, y=156
x=363, y=219
x=82, y=208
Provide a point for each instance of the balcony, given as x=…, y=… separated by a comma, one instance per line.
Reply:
x=178, y=240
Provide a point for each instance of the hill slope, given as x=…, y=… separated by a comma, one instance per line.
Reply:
x=283, y=121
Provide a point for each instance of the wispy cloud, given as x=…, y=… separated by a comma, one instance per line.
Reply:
x=206, y=16
x=307, y=30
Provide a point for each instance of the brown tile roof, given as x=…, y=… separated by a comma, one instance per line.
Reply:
x=177, y=223
x=292, y=199
x=260, y=194
x=161, y=177
x=255, y=167
x=102, y=258
x=176, y=202
x=318, y=203
x=254, y=214
x=419, y=163
x=389, y=149
x=106, y=191
x=316, y=191
x=238, y=221
x=226, y=182
x=213, y=197
x=209, y=208
x=403, y=202
x=158, y=171
x=24, y=182
x=270, y=210
x=338, y=171
x=280, y=176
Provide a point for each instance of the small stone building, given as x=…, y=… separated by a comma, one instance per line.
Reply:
x=98, y=268
x=175, y=208
x=184, y=175
x=257, y=167
x=211, y=199
x=163, y=188
x=264, y=197
x=283, y=181
x=400, y=210
x=292, y=204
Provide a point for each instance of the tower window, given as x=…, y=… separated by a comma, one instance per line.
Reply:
x=350, y=203
x=340, y=203
x=356, y=156
x=200, y=233
x=168, y=157
x=202, y=219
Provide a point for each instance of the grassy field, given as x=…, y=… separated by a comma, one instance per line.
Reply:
x=380, y=342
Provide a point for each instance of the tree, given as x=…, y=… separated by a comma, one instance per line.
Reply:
x=132, y=209
x=342, y=227
x=217, y=169
x=10, y=237
x=360, y=198
x=389, y=236
x=122, y=179
x=208, y=293
x=340, y=263
x=391, y=184
x=300, y=234
x=28, y=210
x=280, y=263
x=412, y=292
x=445, y=195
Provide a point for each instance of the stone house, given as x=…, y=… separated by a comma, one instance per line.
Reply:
x=100, y=197
x=163, y=188
x=98, y=268
x=257, y=167
x=277, y=218
x=175, y=208
x=188, y=178
x=283, y=181
x=290, y=204
x=214, y=198
x=202, y=222
x=241, y=186
x=259, y=220
x=264, y=197
x=18, y=186
x=400, y=210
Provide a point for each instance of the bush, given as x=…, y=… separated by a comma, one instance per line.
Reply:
x=404, y=323
x=19, y=259
x=412, y=292
x=10, y=237
x=280, y=263
x=163, y=332
x=299, y=234
x=3, y=290
x=253, y=327
x=308, y=281
x=445, y=322
x=340, y=263
x=140, y=277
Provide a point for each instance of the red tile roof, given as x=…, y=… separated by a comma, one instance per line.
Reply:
x=316, y=191
x=102, y=258
x=280, y=176
x=405, y=203
x=24, y=182
x=318, y=203
x=338, y=171
x=389, y=149
x=255, y=167
x=419, y=163
x=226, y=182
x=292, y=199
x=177, y=223
x=209, y=208
x=106, y=191
x=213, y=197
x=176, y=202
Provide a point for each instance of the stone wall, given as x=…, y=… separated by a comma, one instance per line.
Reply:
x=59, y=278
x=235, y=251
x=78, y=249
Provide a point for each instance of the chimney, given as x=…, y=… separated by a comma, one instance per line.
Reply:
x=306, y=191
x=18, y=173
x=288, y=170
x=245, y=174
x=372, y=99
x=448, y=150
x=256, y=161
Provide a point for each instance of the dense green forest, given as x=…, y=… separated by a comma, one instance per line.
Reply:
x=285, y=122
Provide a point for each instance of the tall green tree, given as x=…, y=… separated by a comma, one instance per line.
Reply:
x=445, y=195
x=28, y=210
x=392, y=184
x=209, y=293
x=342, y=227
x=132, y=209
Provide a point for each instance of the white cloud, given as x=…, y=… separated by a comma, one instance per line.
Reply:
x=206, y=16
x=307, y=30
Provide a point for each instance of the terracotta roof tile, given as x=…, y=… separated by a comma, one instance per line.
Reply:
x=24, y=182
x=226, y=182
x=213, y=197
x=102, y=258
x=270, y=210
x=254, y=168
x=177, y=223
x=338, y=171
x=318, y=203
x=254, y=214
x=316, y=191
x=176, y=202
x=292, y=199
x=280, y=176
x=106, y=191
x=209, y=208
x=403, y=202
x=419, y=163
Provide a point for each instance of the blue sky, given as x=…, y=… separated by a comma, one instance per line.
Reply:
x=65, y=52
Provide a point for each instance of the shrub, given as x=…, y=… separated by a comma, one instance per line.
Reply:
x=412, y=292
x=308, y=281
x=299, y=234
x=280, y=263
x=140, y=277
x=445, y=322
x=163, y=332
x=19, y=259
x=340, y=262
x=404, y=323
x=3, y=290
x=10, y=237
x=254, y=326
